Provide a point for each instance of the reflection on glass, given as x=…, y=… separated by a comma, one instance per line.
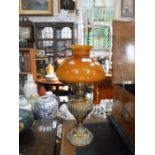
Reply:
x=62, y=45
x=46, y=32
x=66, y=32
x=98, y=13
x=99, y=38
x=45, y=44
x=130, y=48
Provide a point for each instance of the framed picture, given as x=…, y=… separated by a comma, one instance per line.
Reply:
x=67, y=5
x=35, y=7
x=127, y=8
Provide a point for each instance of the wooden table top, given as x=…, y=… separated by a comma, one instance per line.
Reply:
x=39, y=140
x=45, y=81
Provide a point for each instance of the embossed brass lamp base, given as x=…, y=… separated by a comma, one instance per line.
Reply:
x=80, y=106
x=80, y=136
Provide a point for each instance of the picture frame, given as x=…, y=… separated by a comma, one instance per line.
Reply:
x=127, y=8
x=67, y=5
x=36, y=7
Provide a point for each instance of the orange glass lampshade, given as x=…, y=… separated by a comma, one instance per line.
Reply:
x=80, y=68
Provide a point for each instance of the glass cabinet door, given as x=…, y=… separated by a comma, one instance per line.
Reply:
x=64, y=37
x=44, y=36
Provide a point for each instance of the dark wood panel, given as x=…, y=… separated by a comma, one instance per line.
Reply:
x=124, y=111
x=123, y=58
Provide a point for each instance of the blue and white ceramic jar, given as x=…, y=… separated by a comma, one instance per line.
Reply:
x=45, y=107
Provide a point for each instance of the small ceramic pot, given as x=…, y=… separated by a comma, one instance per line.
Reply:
x=25, y=120
x=24, y=104
x=50, y=69
x=41, y=90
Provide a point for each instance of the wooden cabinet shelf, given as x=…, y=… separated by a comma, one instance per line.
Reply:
x=27, y=62
x=23, y=73
x=61, y=39
x=25, y=49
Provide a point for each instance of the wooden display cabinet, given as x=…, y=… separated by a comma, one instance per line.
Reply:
x=123, y=77
x=123, y=58
x=54, y=38
x=27, y=62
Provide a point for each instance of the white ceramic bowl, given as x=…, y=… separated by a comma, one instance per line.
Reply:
x=51, y=77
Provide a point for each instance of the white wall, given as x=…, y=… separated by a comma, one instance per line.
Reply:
x=54, y=18
x=72, y=17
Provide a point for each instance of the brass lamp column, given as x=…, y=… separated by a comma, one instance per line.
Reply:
x=80, y=71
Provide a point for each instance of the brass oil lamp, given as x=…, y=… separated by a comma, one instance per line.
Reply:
x=81, y=72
